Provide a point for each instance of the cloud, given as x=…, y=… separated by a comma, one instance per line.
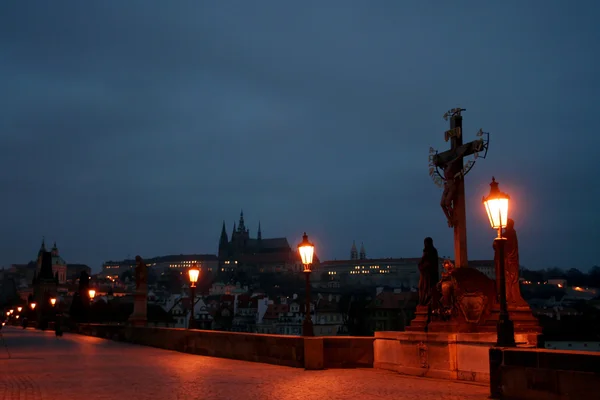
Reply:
x=138, y=127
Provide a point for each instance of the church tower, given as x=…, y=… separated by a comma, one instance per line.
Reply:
x=363, y=254
x=41, y=254
x=223, y=242
x=259, y=235
x=353, y=252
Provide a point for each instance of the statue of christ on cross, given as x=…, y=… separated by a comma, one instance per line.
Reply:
x=451, y=162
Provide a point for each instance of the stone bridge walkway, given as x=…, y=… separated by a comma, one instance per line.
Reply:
x=41, y=366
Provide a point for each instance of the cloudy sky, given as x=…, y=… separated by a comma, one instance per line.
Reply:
x=137, y=127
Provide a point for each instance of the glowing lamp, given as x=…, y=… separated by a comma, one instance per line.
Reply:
x=19, y=308
x=16, y=316
x=32, y=305
x=7, y=313
x=92, y=293
x=496, y=205
x=194, y=272
x=306, y=250
x=53, y=301
x=11, y=311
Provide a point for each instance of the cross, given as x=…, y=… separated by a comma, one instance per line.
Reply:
x=453, y=199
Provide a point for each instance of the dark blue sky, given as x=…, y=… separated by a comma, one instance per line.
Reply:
x=137, y=127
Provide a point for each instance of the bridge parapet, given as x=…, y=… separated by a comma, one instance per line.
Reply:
x=540, y=374
x=291, y=351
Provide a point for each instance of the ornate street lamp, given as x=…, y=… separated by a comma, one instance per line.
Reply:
x=11, y=311
x=307, y=250
x=194, y=273
x=92, y=293
x=53, y=301
x=496, y=205
x=32, y=305
x=19, y=308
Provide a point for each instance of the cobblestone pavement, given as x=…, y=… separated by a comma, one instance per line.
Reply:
x=80, y=367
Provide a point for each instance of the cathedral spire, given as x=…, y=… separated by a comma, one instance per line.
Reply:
x=224, y=238
x=241, y=225
x=43, y=247
x=353, y=252
x=54, y=249
x=363, y=254
x=259, y=236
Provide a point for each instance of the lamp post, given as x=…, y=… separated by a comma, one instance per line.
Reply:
x=193, y=273
x=53, y=301
x=307, y=250
x=92, y=294
x=496, y=205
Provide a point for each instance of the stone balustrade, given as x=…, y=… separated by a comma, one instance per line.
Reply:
x=539, y=374
x=292, y=351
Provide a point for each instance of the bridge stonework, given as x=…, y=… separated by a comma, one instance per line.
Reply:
x=292, y=351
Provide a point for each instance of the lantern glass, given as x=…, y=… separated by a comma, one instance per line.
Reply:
x=53, y=301
x=92, y=293
x=19, y=308
x=194, y=273
x=496, y=206
x=306, y=250
x=32, y=305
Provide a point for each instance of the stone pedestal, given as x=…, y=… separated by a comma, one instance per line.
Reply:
x=456, y=356
x=419, y=323
x=139, y=317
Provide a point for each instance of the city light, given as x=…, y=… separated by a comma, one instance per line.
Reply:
x=194, y=272
x=53, y=301
x=306, y=250
x=92, y=293
x=496, y=205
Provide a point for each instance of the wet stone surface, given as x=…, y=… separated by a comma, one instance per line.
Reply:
x=80, y=367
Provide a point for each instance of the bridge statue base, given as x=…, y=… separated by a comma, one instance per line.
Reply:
x=441, y=355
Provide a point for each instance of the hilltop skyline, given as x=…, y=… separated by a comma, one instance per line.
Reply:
x=137, y=128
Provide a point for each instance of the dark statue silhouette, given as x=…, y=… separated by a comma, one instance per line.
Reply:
x=511, y=266
x=428, y=269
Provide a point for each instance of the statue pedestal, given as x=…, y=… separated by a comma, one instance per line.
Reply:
x=442, y=355
x=139, y=317
x=419, y=323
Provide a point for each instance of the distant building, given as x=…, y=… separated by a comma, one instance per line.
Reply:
x=396, y=272
x=27, y=272
x=487, y=267
x=75, y=270
x=259, y=254
x=208, y=263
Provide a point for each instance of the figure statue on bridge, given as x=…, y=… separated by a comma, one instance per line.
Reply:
x=141, y=273
x=511, y=265
x=452, y=174
x=428, y=269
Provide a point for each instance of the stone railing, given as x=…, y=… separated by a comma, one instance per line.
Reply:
x=292, y=351
x=539, y=374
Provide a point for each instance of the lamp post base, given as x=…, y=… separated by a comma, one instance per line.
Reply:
x=307, y=327
x=506, y=332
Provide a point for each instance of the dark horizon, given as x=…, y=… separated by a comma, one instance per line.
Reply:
x=138, y=128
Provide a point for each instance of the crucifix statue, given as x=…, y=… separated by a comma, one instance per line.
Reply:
x=451, y=163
